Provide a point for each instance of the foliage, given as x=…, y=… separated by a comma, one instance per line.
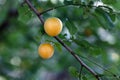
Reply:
x=91, y=29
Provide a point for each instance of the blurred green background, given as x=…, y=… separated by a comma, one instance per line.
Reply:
x=92, y=31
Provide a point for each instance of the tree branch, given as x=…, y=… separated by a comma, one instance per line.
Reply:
x=62, y=43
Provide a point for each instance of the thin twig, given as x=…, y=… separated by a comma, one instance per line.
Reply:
x=52, y=9
x=56, y=7
x=62, y=43
x=83, y=5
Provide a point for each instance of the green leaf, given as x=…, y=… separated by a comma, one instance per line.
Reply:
x=24, y=14
x=84, y=78
x=109, y=1
x=113, y=17
x=109, y=20
x=76, y=1
x=45, y=38
x=71, y=27
x=68, y=2
x=95, y=50
x=58, y=46
x=106, y=16
x=73, y=71
x=118, y=16
x=82, y=43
